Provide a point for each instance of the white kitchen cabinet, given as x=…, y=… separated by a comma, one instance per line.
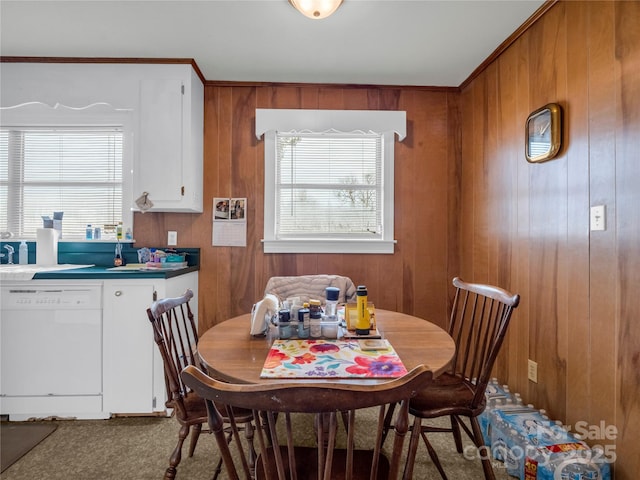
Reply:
x=133, y=374
x=170, y=157
x=164, y=104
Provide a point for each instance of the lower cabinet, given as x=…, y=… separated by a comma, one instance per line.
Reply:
x=133, y=374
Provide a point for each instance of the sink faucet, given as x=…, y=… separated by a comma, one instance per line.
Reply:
x=10, y=251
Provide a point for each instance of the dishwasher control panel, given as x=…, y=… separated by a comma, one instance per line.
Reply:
x=43, y=297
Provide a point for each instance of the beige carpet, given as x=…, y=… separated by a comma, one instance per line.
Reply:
x=139, y=448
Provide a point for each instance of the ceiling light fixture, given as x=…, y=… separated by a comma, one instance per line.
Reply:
x=316, y=9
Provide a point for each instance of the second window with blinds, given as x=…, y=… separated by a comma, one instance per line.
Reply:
x=329, y=180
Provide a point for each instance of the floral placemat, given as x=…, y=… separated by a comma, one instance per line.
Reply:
x=330, y=358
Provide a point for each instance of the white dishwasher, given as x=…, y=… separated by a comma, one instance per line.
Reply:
x=51, y=350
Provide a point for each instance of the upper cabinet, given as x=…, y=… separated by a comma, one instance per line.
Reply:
x=169, y=167
x=162, y=105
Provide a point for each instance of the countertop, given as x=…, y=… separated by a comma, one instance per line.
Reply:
x=107, y=273
x=94, y=260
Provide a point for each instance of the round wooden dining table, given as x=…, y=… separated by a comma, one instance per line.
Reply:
x=231, y=354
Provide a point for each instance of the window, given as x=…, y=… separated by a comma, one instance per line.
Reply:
x=76, y=169
x=329, y=180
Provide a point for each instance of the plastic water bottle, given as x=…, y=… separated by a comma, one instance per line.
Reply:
x=498, y=432
x=494, y=400
x=23, y=253
x=515, y=453
x=89, y=233
x=599, y=459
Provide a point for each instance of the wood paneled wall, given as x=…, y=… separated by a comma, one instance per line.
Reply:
x=468, y=204
x=526, y=227
x=416, y=279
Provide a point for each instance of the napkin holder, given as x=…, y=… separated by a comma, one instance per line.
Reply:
x=261, y=312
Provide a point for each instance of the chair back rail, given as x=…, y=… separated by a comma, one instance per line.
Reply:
x=479, y=319
x=274, y=400
x=175, y=333
x=478, y=324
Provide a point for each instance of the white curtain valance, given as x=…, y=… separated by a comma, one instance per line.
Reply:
x=287, y=120
x=32, y=113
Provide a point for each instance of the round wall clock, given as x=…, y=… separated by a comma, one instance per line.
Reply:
x=543, y=132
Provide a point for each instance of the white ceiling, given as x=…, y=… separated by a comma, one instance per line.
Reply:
x=376, y=42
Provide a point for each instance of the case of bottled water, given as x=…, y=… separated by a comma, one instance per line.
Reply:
x=532, y=446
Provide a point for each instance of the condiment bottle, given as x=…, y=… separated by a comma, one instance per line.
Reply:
x=303, y=323
x=284, y=326
x=331, y=307
x=23, y=253
x=363, y=323
x=315, y=318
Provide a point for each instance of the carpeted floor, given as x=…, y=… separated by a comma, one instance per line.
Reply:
x=138, y=448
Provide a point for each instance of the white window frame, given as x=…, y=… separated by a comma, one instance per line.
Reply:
x=383, y=122
x=37, y=114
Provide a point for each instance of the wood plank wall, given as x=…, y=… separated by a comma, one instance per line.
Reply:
x=526, y=227
x=468, y=204
x=415, y=280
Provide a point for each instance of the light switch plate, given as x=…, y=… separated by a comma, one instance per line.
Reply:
x=598, y=220
x=532, y=371
x=172, y=239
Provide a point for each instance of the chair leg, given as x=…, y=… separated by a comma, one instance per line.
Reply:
x=485, y=455
x=413, y=447
x=416, y=432
x=455, y=429
x=248, y=434
x=176, y=456
x=388, y=419
x=433, y=455
x=218, y=469
x=195, y=435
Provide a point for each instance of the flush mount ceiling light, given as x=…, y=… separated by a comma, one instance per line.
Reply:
x=316, y=9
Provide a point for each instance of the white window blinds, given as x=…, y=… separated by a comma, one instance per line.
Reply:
x=328, y=185
x=329, y=179
x=75, y=170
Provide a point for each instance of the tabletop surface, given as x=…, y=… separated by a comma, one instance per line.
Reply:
x=231, y=354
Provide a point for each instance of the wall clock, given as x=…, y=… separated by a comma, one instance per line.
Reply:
x=543, y=132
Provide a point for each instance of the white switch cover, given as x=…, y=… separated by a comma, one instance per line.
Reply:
x=598, y=217
x=172, y=239
x=532, y=371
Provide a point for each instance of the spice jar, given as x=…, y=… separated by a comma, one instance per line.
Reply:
x=315, y=318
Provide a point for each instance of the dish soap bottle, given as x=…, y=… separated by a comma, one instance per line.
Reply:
x=23, y=253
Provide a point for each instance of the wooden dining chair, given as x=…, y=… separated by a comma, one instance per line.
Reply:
x=276, y=406
x=478, y=324
x=175, y=333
